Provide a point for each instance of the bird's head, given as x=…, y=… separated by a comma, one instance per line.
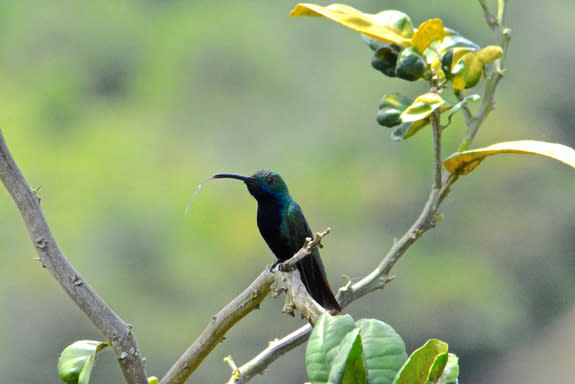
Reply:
x=263, y=185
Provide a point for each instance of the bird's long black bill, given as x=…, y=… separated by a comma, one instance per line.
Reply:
x=216, y=176
x=230, y=176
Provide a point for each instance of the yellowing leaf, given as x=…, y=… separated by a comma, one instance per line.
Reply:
x=386, y=26
x=489, y=54
x=452, y=57
x=422, y=107
x=434, y=64
x=414, y=127
x=467, y=161
x=469, y=68
x=426, y=33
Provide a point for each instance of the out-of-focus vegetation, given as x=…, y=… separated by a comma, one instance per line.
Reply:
x=117, y=110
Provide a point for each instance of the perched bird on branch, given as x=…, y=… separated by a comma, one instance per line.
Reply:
x=284, y=228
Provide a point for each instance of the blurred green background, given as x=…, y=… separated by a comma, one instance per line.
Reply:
x=117, y=110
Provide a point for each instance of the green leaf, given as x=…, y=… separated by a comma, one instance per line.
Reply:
x=452, y=39
x=467, y=161
x=323, y=345
x=406, y=130
x=390, y=109
x=438, y=367
x=383, y=350
x=421, y=364
x=77, y=361
x=348, y=366
x=459, y=105
x=389, y=26
x=451, y=371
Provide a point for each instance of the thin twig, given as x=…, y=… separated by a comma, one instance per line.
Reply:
x=436, y=127
x=503, y=37
x=115, y=330
x=274, y=351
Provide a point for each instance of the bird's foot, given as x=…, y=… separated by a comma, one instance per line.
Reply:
x=279, y=266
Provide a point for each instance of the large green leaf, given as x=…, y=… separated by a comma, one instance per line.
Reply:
x=467, y=161
x=77, y=361
x=383, y=350
x=424, y=364
x=348, y=366
x=323, y=344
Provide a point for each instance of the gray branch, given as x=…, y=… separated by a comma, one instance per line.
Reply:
x=114, y=329
x=250, y=299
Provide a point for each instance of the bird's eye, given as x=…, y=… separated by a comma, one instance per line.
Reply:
x=270, y=180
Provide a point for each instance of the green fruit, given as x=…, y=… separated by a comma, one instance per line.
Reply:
x=390, y=109
x=410, y=65
x=388, y=117
x=385, y=59
x=446, y=61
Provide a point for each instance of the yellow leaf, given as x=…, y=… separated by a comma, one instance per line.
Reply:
x=434, y=63
x=422, y=107
x=426, y=33
x=379, y=26
x=465, y=162
x=489, y=54
x=469, y=67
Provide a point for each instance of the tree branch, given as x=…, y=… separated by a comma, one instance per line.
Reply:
x=274, y=351
x=250, y=299
x=503, y=36
x=114, y=329
x=238, y=308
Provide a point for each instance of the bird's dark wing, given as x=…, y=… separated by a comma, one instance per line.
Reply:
x=311, y=268
x=297, y=226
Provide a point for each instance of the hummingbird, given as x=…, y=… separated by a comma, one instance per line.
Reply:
x=284, y=228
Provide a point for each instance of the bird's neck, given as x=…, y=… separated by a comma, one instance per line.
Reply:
x=271, y=214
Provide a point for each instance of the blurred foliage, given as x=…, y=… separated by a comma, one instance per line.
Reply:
x=118, y=110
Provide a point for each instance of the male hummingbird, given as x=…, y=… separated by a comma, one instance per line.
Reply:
x=284, y=228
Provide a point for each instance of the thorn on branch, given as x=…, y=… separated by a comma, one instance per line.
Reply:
x=387, y=279
x=77, y=281
x=40, y=243
x=35, y=192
